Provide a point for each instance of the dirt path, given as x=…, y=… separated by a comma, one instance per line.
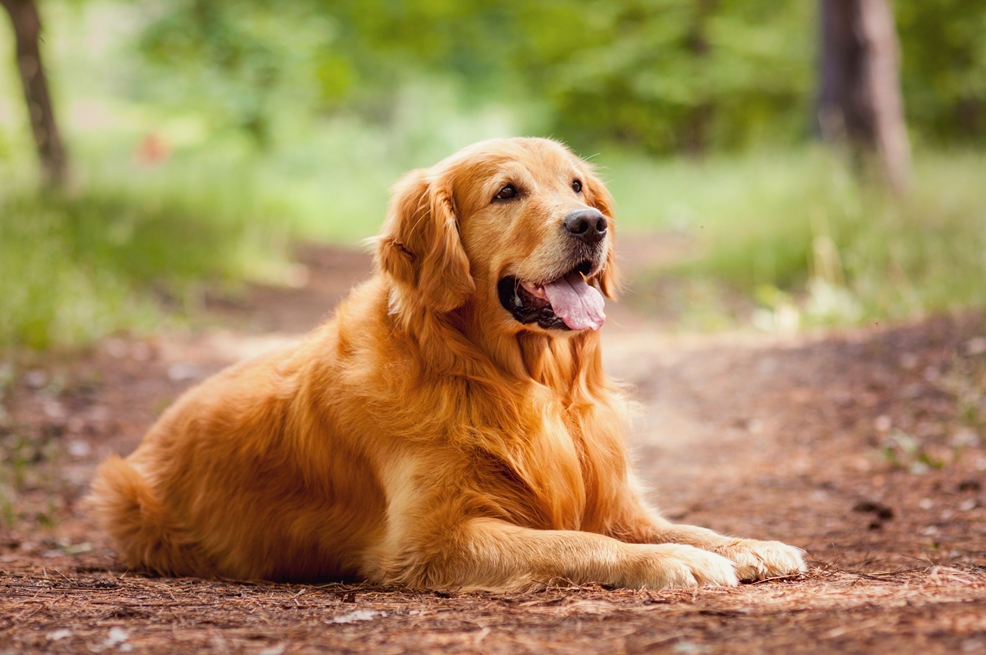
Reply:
x=866, y=448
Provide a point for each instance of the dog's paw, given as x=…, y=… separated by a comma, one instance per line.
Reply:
x=758, y=560
x=673, y=566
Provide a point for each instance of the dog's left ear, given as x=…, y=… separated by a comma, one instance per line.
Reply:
x=596, y=195
x=419, y=245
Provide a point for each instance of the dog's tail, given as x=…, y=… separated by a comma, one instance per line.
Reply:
x=128, y=510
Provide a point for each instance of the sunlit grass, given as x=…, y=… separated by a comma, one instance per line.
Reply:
x=792, y=231
x=752, y=215
x=798, y=230
x=926, y=252
x=77, y=265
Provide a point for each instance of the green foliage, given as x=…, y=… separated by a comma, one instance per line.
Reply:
x=247, y=63
x=944, y=68
x=673, y=75
x=659, y=74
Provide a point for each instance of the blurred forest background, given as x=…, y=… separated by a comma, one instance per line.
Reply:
x=203, y=137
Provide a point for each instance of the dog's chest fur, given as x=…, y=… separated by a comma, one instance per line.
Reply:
x=563, y=461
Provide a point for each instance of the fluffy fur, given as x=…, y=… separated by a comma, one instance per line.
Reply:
x=424, y=436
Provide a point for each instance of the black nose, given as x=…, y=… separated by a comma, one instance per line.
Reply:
x=587, y=224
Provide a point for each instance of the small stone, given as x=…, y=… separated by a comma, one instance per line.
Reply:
x=909, y=361
x=36, y=378
x=968, y=505
x=115, y=348
x=78, y=448
x=183, y=371
x=975, y=346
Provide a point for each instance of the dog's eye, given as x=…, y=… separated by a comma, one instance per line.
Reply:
x=507, y=193
x=577, y=186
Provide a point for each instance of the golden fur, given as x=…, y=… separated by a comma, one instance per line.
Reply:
x=423, y=436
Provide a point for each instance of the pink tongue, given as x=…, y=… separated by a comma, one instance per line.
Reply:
x=575, y=302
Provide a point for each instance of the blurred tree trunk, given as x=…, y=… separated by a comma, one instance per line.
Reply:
x=860, y=98
x=695, y=130
x=27, y=32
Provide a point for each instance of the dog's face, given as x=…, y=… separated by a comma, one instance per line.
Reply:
x=521, y=227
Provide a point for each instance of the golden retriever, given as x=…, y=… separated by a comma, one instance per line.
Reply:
x=450, y=427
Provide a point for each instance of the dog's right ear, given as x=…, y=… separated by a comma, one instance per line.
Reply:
x=419, y=245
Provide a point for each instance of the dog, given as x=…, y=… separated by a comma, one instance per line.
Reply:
x=451, y=427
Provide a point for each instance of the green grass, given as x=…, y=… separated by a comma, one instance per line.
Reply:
x=797, y=230
x=125, y=236
x=77, y=265
x=131, y=247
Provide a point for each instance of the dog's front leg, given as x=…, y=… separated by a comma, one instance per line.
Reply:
x=754, y=559
x=491, y=554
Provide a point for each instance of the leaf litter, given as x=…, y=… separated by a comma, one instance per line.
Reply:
x=795, y=439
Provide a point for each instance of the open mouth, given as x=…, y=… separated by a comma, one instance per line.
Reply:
x=565, y=303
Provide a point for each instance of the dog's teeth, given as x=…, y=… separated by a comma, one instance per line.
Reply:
x=536, y=290
x=517, y=301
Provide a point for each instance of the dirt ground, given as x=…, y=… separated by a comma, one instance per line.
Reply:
x=865, y=447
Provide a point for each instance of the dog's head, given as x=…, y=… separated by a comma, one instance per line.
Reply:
x=520, y=228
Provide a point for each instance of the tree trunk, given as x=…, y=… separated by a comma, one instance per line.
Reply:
x=859, y=97
x=27, y=31
x=694, y=133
